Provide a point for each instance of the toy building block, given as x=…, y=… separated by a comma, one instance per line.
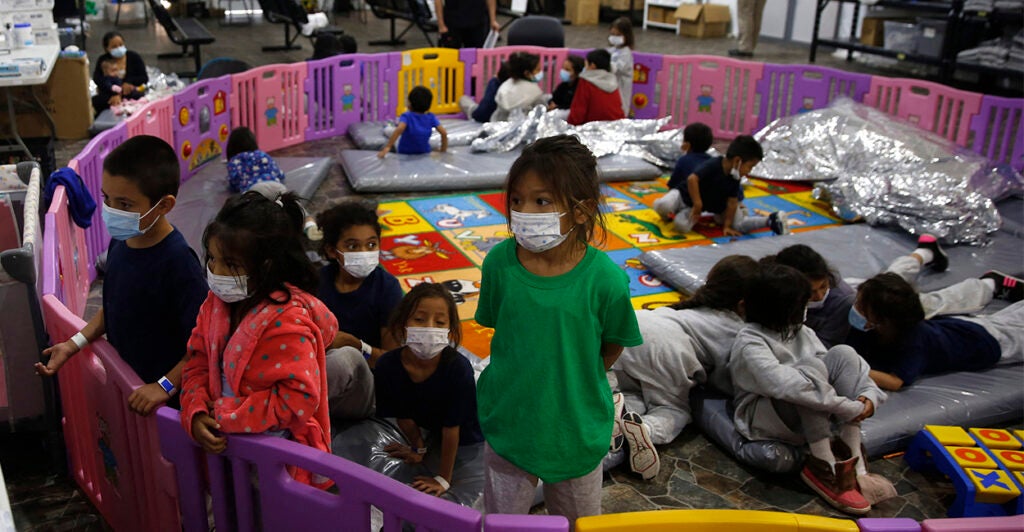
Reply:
x=996, y=438
x=1012, y=460
x=955, y=436
x=972, y=457
x=992, y=485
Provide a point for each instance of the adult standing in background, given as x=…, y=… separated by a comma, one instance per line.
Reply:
x=464, y=23
x=748, y=20
x=131, y=67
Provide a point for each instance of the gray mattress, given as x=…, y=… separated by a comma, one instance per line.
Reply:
x=104, y=121
x=204, y=194
x=370, y=135
x=461, y=169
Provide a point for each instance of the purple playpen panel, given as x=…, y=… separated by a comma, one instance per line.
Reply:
x=717, y=91
x=996, y=130
x=792, y=89
x=645, y=73
x=359, y=488
x=154, y=119
x=379, y=86
x=65, y=272
x=270, y=100
x=488, y=61
x=937, y=108
x=332, y=96
x=91, y=169
x=468, y=58
x=201, y=124
x=1012, y=523
x=888, y=524
x=113, y=453
x=533, y=523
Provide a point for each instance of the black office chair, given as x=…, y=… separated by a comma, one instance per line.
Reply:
x=221, y=66
x=536, y=30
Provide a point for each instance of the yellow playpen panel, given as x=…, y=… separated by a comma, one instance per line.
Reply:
x=713, y=521
x=438, y=69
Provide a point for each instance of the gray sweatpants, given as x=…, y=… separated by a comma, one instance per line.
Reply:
x=672, y=203
x=510, y=490
x=965, y=297
x=350, y=391
x=1007, y=327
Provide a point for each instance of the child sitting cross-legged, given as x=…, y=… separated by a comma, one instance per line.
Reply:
x=416, y=125
x=789, y=387
x=597, y=92
x=697, y=140
x=427, y=385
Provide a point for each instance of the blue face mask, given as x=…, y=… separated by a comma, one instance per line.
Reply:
x=538, y=76
x=119, y=52
x=858, y=321
x=122, y=225
x=565, y=75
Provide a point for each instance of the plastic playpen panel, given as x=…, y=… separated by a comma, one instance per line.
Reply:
x=645, y=70
x=488, y=62
x=438, y=69
x=937, y=108
x=792, y=89
x=996, y=130
x=717, y=91
x=113, y=453
x=90, y=168
x=333, y=96
x=202, y=124
x=65, y=257
x=271, y=101
x=154, y=119
x=379, y=87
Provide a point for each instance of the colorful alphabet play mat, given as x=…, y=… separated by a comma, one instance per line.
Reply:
x=444, y=239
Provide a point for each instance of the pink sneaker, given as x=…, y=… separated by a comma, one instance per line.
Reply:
x=838, y=488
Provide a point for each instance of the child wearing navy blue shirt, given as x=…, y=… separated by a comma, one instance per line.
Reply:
x=154, y=284
x=416, y=125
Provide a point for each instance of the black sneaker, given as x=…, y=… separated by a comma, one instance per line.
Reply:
x=777, y=223
x=1008, y=287
x=940, y=261
x=643, y=457
x=736, y=52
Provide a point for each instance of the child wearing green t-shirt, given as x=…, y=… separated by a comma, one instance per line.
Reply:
x=561, y=314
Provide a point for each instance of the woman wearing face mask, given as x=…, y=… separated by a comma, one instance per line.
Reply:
x=427, y=385
x=130, y=68
x=362, y=296
x=620, y=37
x=255, y=361
x=521, y=90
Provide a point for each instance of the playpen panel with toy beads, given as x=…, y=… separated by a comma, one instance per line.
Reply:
x=271, y=101
x=996, y=130
x=114, y=453
x=488, y=62
x=154, y=119
x=203, y=124
x=360, y=488
x=438, y=69
x=792, y=89
x=717, y=91
x=937, y=108
x=90, y=168
x=333, y=99
x=66, y=272
x=645, y=69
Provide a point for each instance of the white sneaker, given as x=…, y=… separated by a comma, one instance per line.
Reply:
x=643, y=457
x=619, y=403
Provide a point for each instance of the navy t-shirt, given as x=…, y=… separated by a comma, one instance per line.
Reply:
x=716, y=187
x=487, y=105
x=151, y=298
x=831, y=321
x=445, y=399
x=685, y=165
x=364, y=311
x=418, y=127
x=933, y=346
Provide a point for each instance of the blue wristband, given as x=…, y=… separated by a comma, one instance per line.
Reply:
x=166, y=384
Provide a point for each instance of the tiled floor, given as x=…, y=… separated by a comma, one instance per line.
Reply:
x=694, y=474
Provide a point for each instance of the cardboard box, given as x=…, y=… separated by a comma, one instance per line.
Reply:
x=872, y=33
x=65, y=96
x=582, y=12
x=703, y=21
x=661, y=15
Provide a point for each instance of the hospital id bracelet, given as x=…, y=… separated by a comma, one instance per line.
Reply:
x=80, y=340
x=367, y=350
x=444, y=483
x=419, y=450
x=167, y=385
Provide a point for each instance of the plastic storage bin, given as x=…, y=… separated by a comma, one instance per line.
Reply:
x=901, y=36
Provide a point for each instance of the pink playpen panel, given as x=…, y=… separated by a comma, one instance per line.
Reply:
x=717, y=91
x=114, y=454
x=270, y=100
x=996, y=131
x=333, y=96
x=154, y=119
x=201, y=124
x=931, y=106
x=792, y=89
x=65, y=258
x=90, y=167
x=488, y=61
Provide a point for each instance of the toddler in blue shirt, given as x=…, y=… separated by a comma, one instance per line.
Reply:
x=416, y=125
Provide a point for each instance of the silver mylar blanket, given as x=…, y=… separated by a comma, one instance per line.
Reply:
x=888, y=171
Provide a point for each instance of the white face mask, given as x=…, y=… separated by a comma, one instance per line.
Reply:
x=818, y=304
x=360, y=263
x=805, y=315
x=735, y=173
x=426, y=342
x=229, y=288
x=616, y=40
x=538, y=232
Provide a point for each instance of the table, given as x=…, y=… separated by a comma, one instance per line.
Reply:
x=48, y=53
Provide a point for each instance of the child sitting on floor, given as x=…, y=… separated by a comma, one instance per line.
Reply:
x=255, y=361
x=789, y=387
x=889, y=328
x=597, y=92
x=697, y=139
x=362, y=295
x=570, y=74
x=109, y=88
x=481, y=112
x=521, y=90
x=247, y=163
x=427, y=385
x=415, y=126
x=715, y=187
